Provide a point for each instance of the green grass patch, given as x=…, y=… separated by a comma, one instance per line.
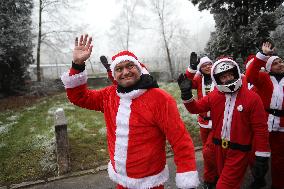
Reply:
x=27, y=140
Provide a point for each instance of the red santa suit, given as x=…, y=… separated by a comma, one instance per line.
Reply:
x=138, y=123
x=271, y=93
x=204, y=121
x=237, y=119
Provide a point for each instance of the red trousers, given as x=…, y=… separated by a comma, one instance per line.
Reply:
x=231, y=165
x=208, y=152
x=158, y=187
x=276, y=140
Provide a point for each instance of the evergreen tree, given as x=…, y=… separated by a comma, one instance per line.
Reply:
x=240, y=25
x=15, y=44
x=278, y=34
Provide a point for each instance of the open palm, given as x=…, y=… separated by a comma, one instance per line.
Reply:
x=82, y=50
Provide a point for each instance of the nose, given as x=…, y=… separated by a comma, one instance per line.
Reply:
x=125, y=71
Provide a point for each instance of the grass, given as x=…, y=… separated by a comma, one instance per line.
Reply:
x=27, y=141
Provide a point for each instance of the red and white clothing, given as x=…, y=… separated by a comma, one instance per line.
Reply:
x=205, y=123
x=138, y=124
x=271, y=93
x=239, y=119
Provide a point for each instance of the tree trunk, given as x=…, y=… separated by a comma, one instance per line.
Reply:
x=168, y=53
x=39, y=43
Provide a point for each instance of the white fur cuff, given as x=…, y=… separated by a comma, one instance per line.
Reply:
x=262, y=154
x=74, y=80
x=187, y=180
x=262, y=57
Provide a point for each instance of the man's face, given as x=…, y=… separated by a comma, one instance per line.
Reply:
x=206, y=68
x=277, y=66
x=126, y=74
x=226, y=77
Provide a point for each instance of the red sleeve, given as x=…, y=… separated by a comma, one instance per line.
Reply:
x=252, y=73
x=191, y=76
x=259, y=125
x=86, y=98
x=109, y=73
x=198, y=106
x=73, y=71
x=170, y=122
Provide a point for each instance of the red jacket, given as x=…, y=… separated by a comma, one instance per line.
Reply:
x=270, y=91
x=138, y=124
x=247, y=118
x=198, y=83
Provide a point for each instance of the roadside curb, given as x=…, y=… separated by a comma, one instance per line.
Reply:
x=74, y=174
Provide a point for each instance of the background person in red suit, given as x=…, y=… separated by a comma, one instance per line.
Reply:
x=270, y=88
x=199, y=73
x=139, y=118
x=238, y=119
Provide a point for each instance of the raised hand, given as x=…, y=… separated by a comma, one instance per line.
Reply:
x=105, y=62
x=267, y=48
x=82, y=50
x=193, y=61
x=185, y=86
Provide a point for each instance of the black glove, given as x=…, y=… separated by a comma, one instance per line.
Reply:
x=185, y=86
x=105, y=62
x=193, y=61
x=259, y=171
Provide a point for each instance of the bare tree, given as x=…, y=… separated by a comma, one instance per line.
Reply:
x=53, y=28
x=128, y=20
x=163, y=9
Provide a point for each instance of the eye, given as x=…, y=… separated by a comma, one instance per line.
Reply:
x=118, y=69
x=130, y=66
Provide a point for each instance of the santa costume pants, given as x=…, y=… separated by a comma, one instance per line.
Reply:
x=231, y=166
x=210, y=169
x=276, y=140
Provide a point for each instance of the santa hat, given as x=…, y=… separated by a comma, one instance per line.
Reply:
x=269, y=62
x=202, y=61
x=249, y=60
x=127, y=56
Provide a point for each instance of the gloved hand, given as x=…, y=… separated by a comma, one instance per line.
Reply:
x=105, y=62
x=185, y=86
x=259, y=171
x=193, y=61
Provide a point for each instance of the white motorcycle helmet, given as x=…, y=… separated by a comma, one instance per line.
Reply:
x=225, y=65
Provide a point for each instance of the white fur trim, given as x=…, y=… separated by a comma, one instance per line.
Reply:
x=139, y=183
x=191, y=70
x=275, y=103
x=228, y=114
x=188, y=101
x=208, y=126
x=262, y=154
x=121, y=133
x=144, y=71
x=262, y=57
x=187, y=180
x=74, y=80
x=269, y=62
x=249, y=62
x=120, y=59
x=122, y=129
x=133, y=94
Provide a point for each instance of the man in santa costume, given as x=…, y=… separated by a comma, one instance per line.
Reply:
x=139, y=118
x=238, y=118
x=270, y=88
x=199, y=74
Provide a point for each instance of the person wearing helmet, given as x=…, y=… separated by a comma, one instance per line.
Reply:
x=270, y=88
x=238, y=119
x=199, y=73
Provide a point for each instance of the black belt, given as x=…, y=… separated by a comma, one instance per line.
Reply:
x=205, y=118
x=234, y=146
x=275, y=112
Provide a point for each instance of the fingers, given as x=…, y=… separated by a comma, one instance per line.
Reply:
x=81, y=40
x=76, y=41
x=89, y=42
x=85, y=40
